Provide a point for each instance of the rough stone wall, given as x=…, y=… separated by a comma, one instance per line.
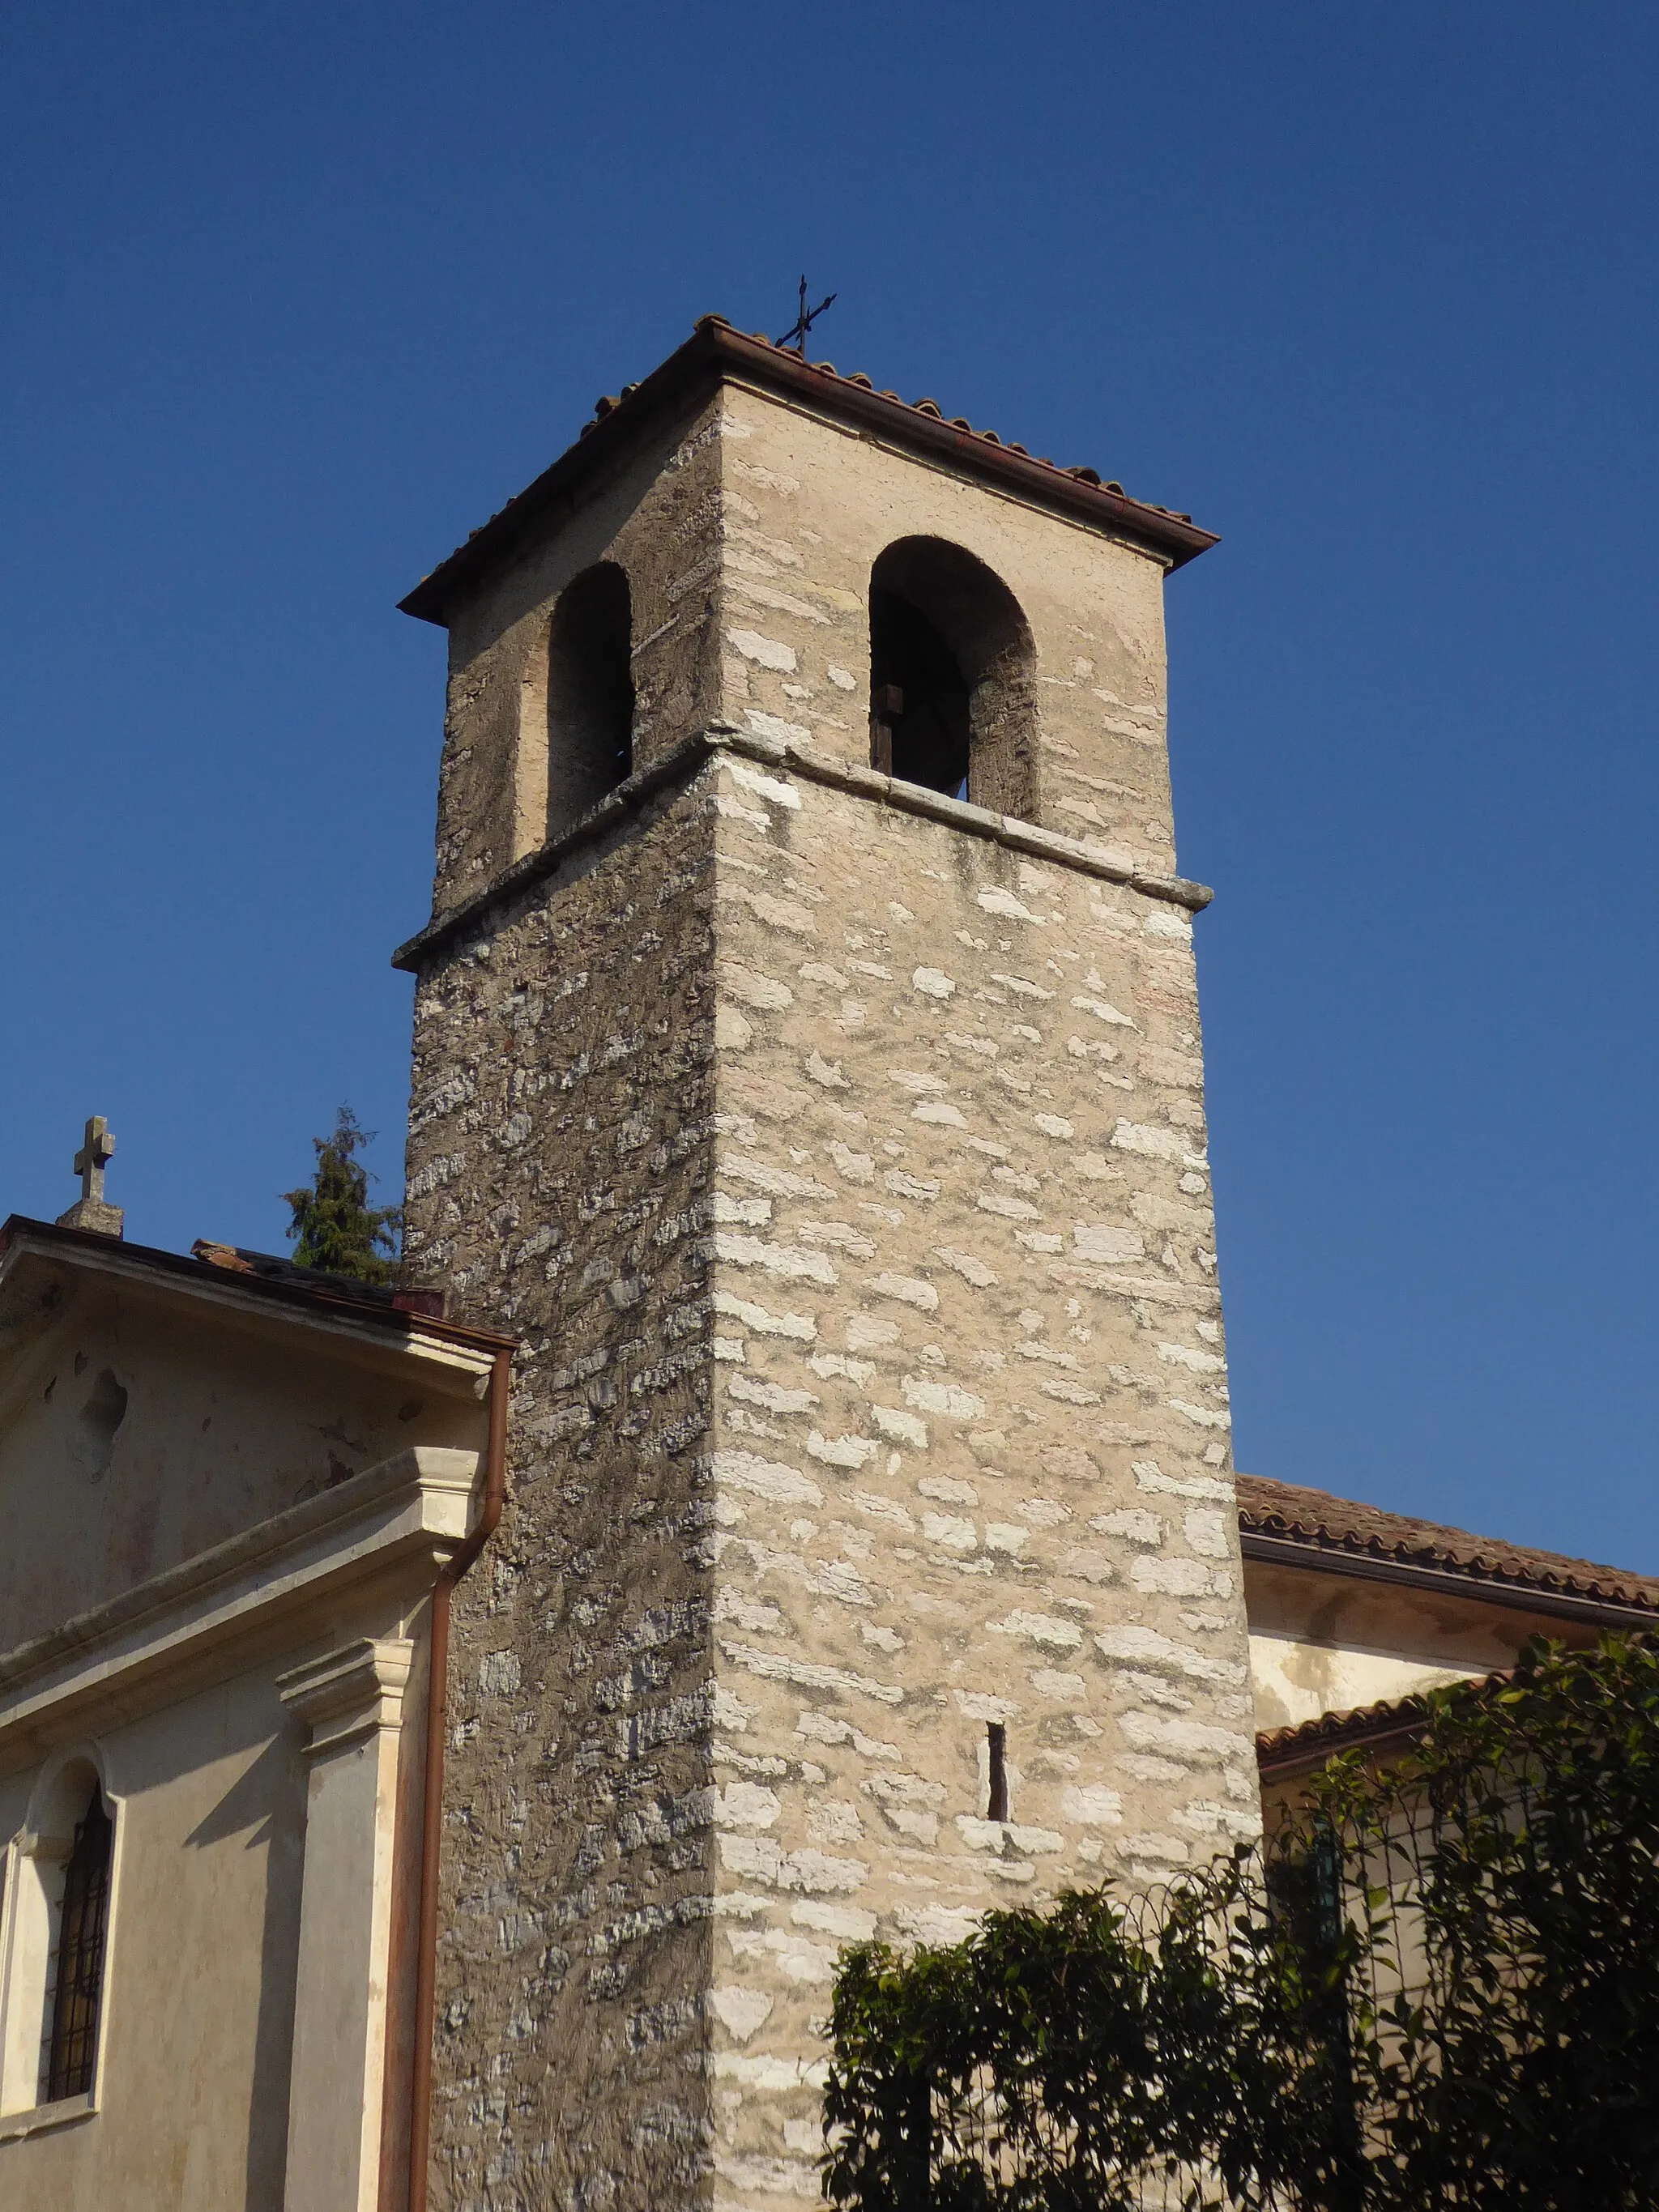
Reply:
x=843, y=1171
x=558, y=1161
x=844, y=1174
x=659, y=520
x=971, y=1444
x=806, y=508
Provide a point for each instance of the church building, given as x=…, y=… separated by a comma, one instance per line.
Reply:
x=801, y=1442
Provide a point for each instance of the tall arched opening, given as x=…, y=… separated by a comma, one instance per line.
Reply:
x=952, y=688
x=590, y=694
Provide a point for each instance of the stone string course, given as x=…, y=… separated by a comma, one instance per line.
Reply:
x=845, y=1174
x=799, y=757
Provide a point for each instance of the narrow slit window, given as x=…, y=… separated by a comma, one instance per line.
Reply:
x=996, y=1747
x=77, y=1983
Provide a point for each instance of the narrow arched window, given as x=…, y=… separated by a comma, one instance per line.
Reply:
x=75, y=1990
x=952, y=689
x=590, y=694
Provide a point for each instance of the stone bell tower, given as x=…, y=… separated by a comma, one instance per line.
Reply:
x=807, y=1067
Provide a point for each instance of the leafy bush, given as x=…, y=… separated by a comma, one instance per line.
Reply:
x=1434, y=1987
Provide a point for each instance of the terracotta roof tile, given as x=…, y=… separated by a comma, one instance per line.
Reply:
x=931, y=408
x=1325, y=1523
x=262, y=1273
x=1174, y=531
x=1327, y=1734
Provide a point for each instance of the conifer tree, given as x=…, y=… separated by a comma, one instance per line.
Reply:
x=334, y=1227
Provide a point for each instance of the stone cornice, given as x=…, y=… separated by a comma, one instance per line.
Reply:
x=416, y=1505
x=346, y=1696
x=803, y=759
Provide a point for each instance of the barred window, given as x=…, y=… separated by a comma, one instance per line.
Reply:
x=76, y=1987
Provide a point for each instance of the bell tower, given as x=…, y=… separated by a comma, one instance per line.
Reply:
x=807, y=1067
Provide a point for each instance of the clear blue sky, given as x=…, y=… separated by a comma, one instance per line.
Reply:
x=293, y=296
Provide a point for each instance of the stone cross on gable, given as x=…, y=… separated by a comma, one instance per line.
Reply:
x=93, y=1158
x=92, y=1210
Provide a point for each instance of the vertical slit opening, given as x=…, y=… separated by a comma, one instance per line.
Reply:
x=996, y=1744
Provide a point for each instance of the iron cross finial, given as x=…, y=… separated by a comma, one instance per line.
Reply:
x=804, y=322
x=93, y=1158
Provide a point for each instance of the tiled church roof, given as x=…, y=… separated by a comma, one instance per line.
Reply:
x=1323, y=1522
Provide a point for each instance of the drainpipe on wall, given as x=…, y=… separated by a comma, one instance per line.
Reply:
x=426, y=1934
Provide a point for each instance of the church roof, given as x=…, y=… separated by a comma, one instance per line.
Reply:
x=256, y=1275
x=715, y=350
x=1284, y=1514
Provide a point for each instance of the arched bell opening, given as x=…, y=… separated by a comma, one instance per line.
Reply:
x=590, y=694
x=952, y=687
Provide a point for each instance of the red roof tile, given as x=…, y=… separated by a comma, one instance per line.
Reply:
x=1388, y=1720
x=1325, y=1523
x=715, y=347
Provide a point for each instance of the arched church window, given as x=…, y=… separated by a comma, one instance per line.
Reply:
x=952, y=689
x=56, y=1876
x=75, y=1989
x=590, y=694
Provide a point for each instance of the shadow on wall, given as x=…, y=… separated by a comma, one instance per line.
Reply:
x=96, y=1425
x=952, y=678
x=265, y=1808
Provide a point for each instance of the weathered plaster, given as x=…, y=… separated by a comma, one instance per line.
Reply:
x=135, y=1434
x=1322, y=1641
x=159, y=1667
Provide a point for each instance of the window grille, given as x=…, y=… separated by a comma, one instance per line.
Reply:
x=77, y=1985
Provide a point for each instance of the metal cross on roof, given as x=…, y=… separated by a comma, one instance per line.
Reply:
x=93, y=1158
x=804, y=322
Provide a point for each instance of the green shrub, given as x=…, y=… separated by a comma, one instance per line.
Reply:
x=1435, y=1986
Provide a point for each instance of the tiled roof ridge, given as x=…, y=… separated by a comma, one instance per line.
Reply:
x=1180, y=537
x=1356, y=1723
x=241, y=1259
x=1324, y=1522
x=930, y=408
x=262, y=1273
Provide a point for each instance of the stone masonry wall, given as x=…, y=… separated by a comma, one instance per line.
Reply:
x=660, y=519
x=806, y=510
x=970, y=1453
x=844, y=1174
x=558, y=1161
x=843, y=1171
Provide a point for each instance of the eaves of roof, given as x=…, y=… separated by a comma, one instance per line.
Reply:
x=1391, y=1724
x=1285, y=1524
x=715, y=350
x=302, y=1291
